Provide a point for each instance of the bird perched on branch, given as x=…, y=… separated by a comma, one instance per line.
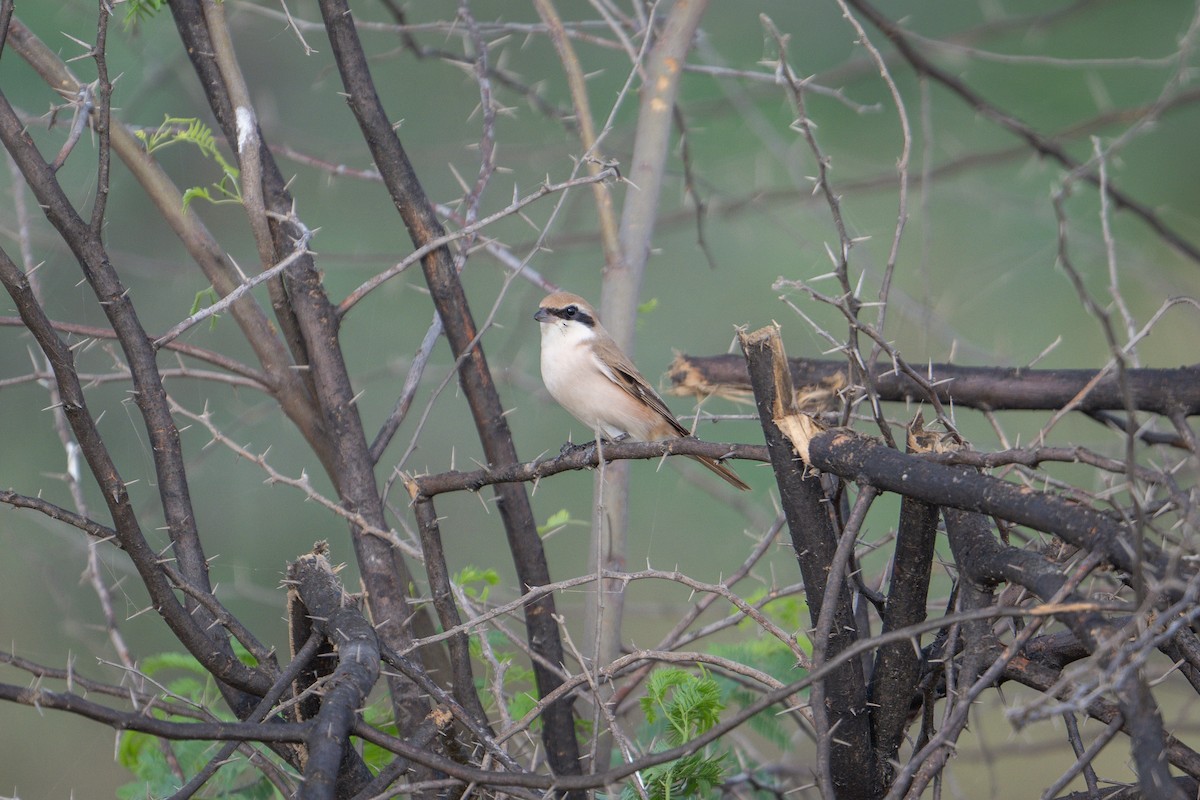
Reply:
x=591, y=378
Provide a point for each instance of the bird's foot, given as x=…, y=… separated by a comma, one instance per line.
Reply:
x=571, y=448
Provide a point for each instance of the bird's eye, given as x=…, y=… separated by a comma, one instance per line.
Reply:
x=570, y=311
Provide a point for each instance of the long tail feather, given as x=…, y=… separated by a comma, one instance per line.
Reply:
x=724, y=471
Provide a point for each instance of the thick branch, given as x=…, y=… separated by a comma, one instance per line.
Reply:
x=310, y=324
x=840, y=701
x=1162, y=391
x=462, y=677
x=578, y=457
x=331, y=762
x=137, y=721
x=220, y=661
x=1046, y=679
x=149, y=394
x=855, y=457
x=451, y=302
x=984, y=560
x=898, y=665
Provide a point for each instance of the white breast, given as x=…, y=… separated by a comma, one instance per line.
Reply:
x=575, y=380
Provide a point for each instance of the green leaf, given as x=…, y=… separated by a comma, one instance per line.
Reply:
x=194, y=193
x=379, y=716
x=151, y=665
x=687, y=705
x=140, y=10
x=768, y=654
x=472, y=578
x=556, y=520
x=190, y=130
x=521, y=704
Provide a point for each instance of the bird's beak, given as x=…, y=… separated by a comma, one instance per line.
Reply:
x=542, y=315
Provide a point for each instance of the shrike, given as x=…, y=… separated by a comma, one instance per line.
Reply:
x=591, y=378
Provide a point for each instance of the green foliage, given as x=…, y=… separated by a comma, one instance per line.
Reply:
x=140, y=10
x=555, y=521
x=476, y=583
x=789, y=613
x=769, y=655
x=205, y=298
x=189, y=130
x=685, y=706
x=146, y=756
x=689, y=705
x=520, y=700
x=380, y=717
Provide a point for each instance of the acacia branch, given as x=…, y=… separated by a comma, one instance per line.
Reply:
x=330, y=761
x=436, y=569
x=136, y=721
x=983, y=560
x=167, y=451
x=1050, y=681
x=450, y=300
x=855, y=457
x=1161, y=391
x=897, y=669
x=283, y=380
x=310, y=325
x=576, y=457
x=840, y=702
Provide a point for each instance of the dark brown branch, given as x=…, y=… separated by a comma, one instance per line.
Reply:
x=304, y=654
x=576, y=457
x=136, y=721
x=104, y=533
x=767, y=700
x=219, y=660
x=1161, y=391
x=144, y=700
x=462, y=677
x=6, y=12
x=310, y=326
x=298, y=732
x=1186, y=784
x=985, y=561
x=839, y=703
x=193, y=30
x=448, y=296
x=421, y=740
x=855, y=457
x=149, y=394
x=60, y=514
x=101, y=121
x=898, y=665
x=332, y=767
x=284, y=382
x=221, y=360
x=1045, y=679
x=472, y=723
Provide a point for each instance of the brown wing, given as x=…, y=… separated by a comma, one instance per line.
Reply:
x=621, y=371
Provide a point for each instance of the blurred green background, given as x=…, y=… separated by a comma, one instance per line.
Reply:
x=976, y=283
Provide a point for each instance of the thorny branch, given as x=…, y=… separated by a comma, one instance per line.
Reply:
x=1071, y=567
